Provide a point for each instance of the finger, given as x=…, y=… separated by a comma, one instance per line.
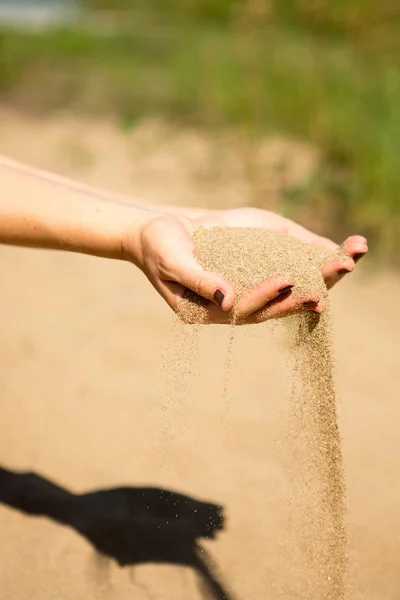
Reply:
x=187, y=272
x=173, y=293
x=283, y=305
x=266, y=291
x=355, y=246
x=210, y=286
x=333, y=270
x=280, y=308
x=351, y=251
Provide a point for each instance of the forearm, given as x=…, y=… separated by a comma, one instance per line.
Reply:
x=41, y=210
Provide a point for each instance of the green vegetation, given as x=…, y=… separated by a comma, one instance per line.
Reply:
x=326, y=71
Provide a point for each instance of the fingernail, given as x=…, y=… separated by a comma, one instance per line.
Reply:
x=283, y=294
x=219, y=297
x=286, y=289
x=343, y=271
x=357, y=257
x=310, y=303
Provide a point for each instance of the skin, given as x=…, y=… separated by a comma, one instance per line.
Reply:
x=38, y=209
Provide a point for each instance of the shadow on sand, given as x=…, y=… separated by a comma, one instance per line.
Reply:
x=132, y=525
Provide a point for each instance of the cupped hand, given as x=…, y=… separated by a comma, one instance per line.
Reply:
x=333, y=271
x=164, y=252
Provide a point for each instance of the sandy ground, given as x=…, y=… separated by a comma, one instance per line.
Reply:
x=82, y=401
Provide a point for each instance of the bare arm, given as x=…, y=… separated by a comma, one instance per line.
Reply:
x=42, y=210
x=38, y=209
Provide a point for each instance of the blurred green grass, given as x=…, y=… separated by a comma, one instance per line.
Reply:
x=327, y=72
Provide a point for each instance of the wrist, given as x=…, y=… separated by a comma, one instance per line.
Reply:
x=131, y=231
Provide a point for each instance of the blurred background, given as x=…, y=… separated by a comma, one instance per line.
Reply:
x=298, y=102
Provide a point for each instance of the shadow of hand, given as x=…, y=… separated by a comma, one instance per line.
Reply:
x=136, y=525
x=132, y=525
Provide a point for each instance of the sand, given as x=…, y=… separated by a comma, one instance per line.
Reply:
x=245, y=257
x=80, y=346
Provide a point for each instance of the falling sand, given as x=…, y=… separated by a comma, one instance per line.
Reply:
x=318, y=537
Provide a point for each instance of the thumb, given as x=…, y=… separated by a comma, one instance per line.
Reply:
x=210, y=286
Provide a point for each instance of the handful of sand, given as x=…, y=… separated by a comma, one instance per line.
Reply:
x=246, y=256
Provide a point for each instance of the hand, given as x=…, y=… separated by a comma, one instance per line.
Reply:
x=164, y=253
x=163, y=250
x=350, y=252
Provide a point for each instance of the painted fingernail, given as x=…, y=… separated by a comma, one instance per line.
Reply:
x=343, y=271
x=219, y=297
x=286, y=289
x=357, y=257
x=283, y=294
x=310, y=303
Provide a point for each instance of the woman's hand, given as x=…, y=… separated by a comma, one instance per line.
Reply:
x=164, y=252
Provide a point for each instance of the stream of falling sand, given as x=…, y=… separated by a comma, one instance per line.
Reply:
x=318, y=533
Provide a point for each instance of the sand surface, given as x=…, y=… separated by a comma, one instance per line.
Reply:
x=81, y=341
